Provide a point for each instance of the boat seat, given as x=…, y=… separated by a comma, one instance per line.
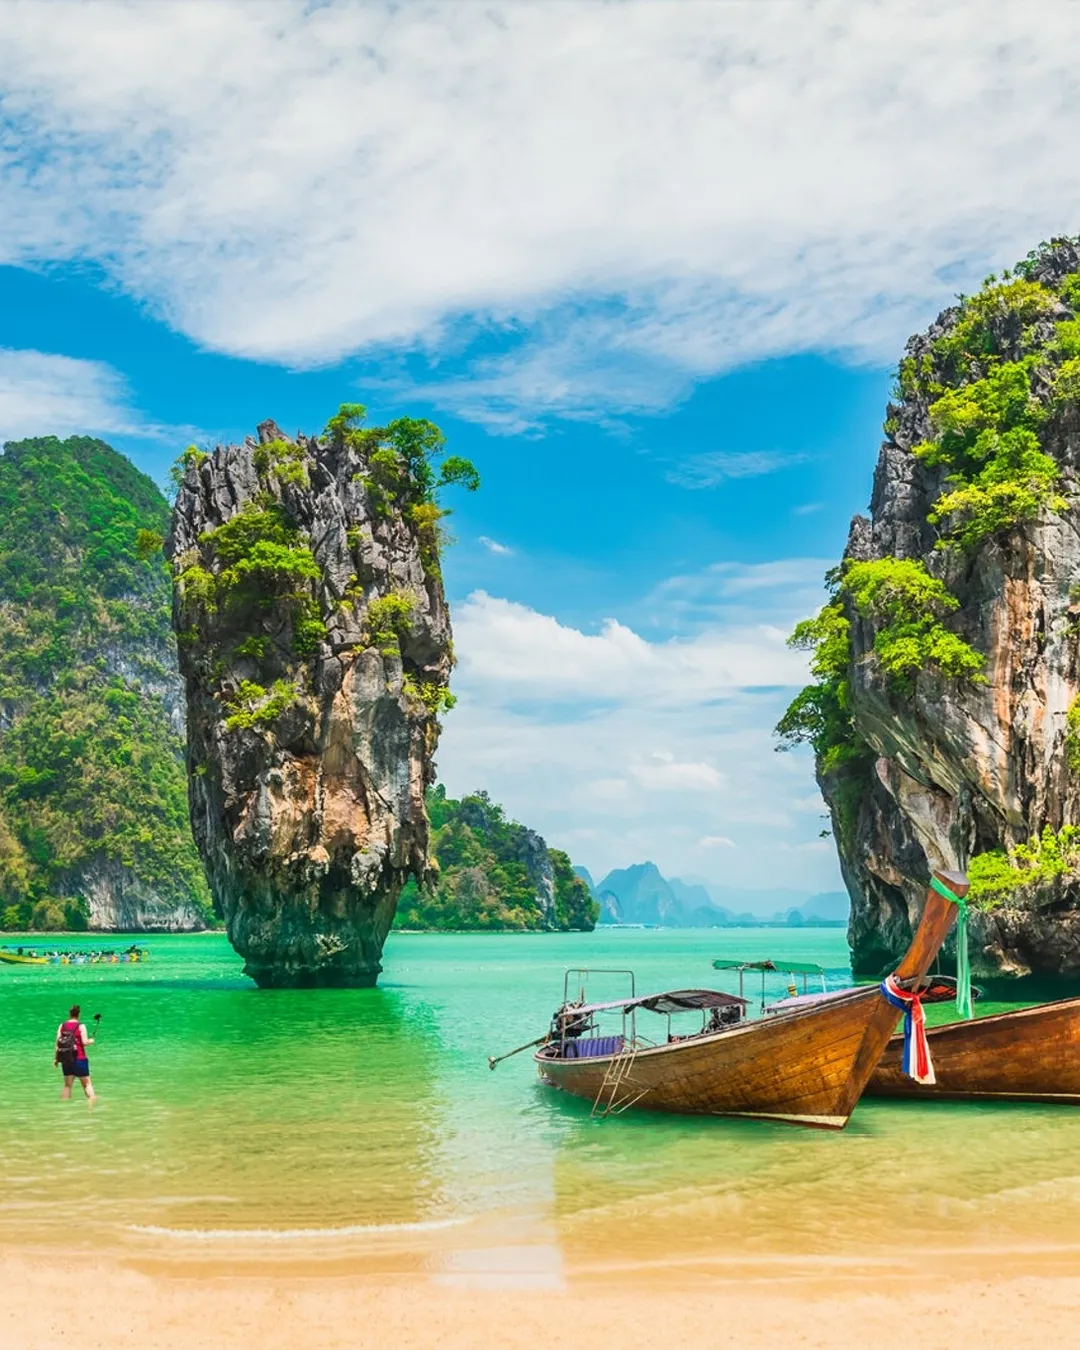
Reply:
x=589, y=1048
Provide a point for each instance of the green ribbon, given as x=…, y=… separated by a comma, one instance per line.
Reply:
x=963, y=963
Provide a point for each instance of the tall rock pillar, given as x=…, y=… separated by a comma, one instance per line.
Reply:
x=315, y=647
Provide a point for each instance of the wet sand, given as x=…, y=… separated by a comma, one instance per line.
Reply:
x=1011, y=1303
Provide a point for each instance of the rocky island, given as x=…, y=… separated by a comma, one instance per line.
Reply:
x=93, y=801
x=315, y=645
x=944, y=712
x=493, y=875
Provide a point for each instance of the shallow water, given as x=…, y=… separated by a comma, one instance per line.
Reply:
x=337, y=1121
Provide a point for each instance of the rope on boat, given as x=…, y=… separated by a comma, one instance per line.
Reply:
x=963, y=960
x=916, y=1061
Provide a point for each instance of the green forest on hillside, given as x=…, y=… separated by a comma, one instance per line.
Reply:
x=491, y=873
x=91, y=771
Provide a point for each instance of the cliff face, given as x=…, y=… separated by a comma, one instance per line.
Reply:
x=943, y=769
x=315, y=647
x=93, y=802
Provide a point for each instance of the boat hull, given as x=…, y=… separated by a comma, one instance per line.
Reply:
x=13, y=960
x=1032, y=1054
x=795, y=1070
x=807, y=1066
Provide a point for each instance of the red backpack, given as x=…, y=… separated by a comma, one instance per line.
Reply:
x=69, y=1042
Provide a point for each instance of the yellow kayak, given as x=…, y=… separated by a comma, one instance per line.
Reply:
x=14, y=959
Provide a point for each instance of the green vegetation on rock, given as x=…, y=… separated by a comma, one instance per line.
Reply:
x=1072, y=734
x=253, y=706
x=906, y=605
x=91, y=770
x=493, y=874
x=1004, y=368
x=998, y=874
x=406, y=470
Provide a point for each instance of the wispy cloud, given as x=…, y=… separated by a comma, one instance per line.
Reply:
x=493, y=546
x=718, y=466
x=714, y=184
x=45, y=394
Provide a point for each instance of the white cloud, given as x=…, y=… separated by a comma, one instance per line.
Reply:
x=493, y=546
x=716, y=467
x=619, y=748
x=531, y=655
x=712, y=183
x=662, y=772
x=42, y=394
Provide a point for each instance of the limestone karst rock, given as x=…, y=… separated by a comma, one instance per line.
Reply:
x=976, y=485
x=315, y=647
x=93, y=817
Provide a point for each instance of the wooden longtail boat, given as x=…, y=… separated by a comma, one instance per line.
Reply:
x=806, y=1066
x=1032, y=1054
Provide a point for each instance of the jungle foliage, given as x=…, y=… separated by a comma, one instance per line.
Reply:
x=91, y=771
x=488, y=868
x=998, y=874
x=992, y=383
x=906, y=606
x=406, y=470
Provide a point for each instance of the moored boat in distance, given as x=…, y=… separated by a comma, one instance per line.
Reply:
x=22, y=956
x=807, y=1065
x=1029, y=1054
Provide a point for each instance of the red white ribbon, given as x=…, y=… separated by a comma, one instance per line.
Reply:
x=916, y=1062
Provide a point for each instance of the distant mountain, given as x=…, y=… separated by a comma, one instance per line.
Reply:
x=642, y=895
x=830, y=906
x=639, y=895
x=585, y=875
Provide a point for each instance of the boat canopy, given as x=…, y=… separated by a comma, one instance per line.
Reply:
x=787, y=967
x=676, y=1000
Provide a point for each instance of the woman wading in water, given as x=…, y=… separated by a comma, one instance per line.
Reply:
x=71, y=1043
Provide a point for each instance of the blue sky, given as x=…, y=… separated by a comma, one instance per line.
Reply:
x=649, y=266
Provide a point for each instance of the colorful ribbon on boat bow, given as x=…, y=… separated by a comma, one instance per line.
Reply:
x=963, y=964
x=916, y=1062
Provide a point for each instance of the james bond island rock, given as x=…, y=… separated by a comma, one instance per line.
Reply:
x=944, y=715
x=315, y=646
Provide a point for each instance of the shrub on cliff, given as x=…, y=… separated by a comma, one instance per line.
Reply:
x=906, y=605
x=994, y=384
x=999, y=873
x=404, y=472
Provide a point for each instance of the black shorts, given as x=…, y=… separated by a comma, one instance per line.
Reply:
x=76, y=1068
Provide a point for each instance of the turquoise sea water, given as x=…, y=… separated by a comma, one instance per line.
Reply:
x=319, y=1117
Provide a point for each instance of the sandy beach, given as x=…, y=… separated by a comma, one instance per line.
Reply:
x=1012, y=1304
